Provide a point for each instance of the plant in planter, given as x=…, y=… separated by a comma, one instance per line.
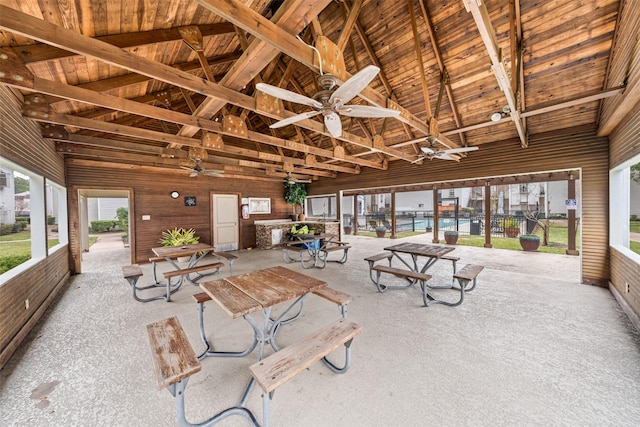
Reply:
x=347, y=229
x=451, y=237
x=511, y=227
x=295, y=194
x=529, y=242
x=380, y=231
x=179, y=237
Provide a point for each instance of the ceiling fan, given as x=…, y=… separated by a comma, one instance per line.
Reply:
x=197, y=170
x=437, y=153
x=291, y=180
x=331, y=102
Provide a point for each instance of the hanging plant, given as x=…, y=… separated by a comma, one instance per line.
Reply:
x=295, y=194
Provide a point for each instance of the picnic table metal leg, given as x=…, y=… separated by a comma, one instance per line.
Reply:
x=203, y=337
x=178, y=389
x=347, y=360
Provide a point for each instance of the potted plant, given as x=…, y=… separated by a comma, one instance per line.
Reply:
x=179, y=237
x=380, y=231
x=295, y=194
x=511, y=227
x=529, y=242
x=347, y=229
x=451, y=237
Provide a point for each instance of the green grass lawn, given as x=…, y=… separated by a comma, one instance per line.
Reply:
x=23, y=235
x=634, y=226
x=17, y=249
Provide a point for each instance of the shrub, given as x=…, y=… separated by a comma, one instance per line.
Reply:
x=102, y=226
x=11, y=261
x=25, y=221
x=6, y=229
x=634, y=218
x=51, y=220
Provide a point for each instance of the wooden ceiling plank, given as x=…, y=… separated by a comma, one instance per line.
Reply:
x=252, y=22
x=45, y=52
x=349, y=24
x=43, y=31
x=444, y=74
x=419, y=60
x=291, y=17
x=120, y=104
x=488, y=35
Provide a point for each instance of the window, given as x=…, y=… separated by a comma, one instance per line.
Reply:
x=33, y=219
x=624, y=208
x=321, y=207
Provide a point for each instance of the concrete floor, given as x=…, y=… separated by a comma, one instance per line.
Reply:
x=529, y=346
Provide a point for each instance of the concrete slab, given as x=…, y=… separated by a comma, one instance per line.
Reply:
x=529, y=346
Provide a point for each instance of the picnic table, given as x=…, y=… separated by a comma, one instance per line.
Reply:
x=311, y=248
x=258, y=291
x=196, y=252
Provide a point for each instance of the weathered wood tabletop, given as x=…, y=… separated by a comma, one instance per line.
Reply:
x=245, y=293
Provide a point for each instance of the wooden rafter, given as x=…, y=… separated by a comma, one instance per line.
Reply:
x=29, y=26
x=252, y=22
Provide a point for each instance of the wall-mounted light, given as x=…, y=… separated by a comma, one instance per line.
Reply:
x=174, y=194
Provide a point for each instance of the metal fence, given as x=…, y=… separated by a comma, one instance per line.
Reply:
x=500, y=225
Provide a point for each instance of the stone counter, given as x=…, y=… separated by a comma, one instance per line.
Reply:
x=270, y=233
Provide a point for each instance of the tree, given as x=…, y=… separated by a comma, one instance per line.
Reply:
x=21, y=185
x=635, y=173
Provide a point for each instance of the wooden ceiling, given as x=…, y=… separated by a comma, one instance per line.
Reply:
x=161, y=82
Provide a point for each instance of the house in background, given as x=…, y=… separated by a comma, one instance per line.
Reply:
x=101, y=208
x=7, y=198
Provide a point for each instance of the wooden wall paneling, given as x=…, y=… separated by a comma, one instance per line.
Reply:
x=21, y=143
x=576, y=149
x=623, y=271
x=39, y=284
x=150, y=191
x=625, y=145
x=625, y=64
x=625, y=139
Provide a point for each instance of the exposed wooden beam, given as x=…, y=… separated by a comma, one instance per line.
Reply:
x=45, y=52
x=347, y=28
x=29, y=26
x=246, y=18
x=444, y=74
x=290, y=16
x=488, y=35
x=418, y=50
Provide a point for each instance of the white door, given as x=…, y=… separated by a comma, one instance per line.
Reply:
x=225, y=222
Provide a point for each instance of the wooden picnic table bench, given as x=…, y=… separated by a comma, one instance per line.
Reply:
x=279, y=368
x=133, y=272
x=174, y=362
x=468, y=273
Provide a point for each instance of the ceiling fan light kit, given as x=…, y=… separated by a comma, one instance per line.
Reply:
x=331, y=102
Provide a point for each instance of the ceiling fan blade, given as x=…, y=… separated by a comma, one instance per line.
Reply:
x=193, y=174
x=216, y=174
x=427, y=150
x=419, y=159
x=354, y=85
x=293, y=119
x=333, y=124
x=460, y=150
x=445, y=156
x=186, y=168
x=366, y=111
x=287, y=95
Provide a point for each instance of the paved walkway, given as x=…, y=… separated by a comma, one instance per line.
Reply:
x=530, y=346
